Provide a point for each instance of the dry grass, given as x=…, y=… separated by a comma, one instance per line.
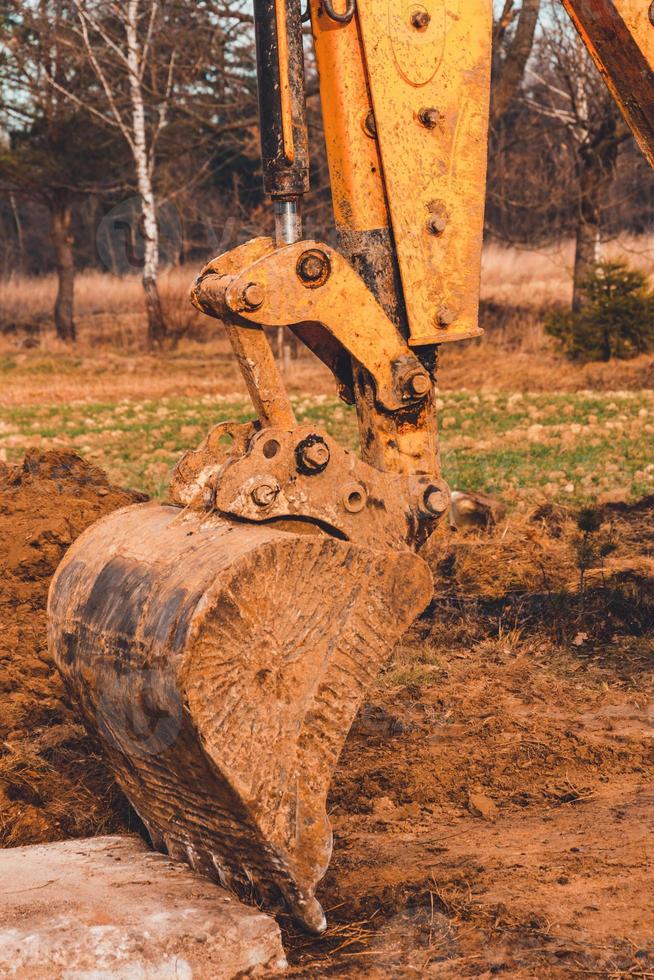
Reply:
x=515, y=354
x=490, y=365
x=539, y=278
x=110, y=310
x=95, y=292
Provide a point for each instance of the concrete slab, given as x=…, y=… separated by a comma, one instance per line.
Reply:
x=107, y=908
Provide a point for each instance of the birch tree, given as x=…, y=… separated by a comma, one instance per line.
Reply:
x=135, y=75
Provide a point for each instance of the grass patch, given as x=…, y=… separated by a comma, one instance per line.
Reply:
x=568, y=447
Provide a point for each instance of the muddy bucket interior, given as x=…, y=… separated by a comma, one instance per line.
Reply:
x=221, y=665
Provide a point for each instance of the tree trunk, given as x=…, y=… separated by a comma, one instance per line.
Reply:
x=589, y=224
x=144, y=164
x=510, y=57
x=20, y=240
x=156, y=321
x=595, y=171
x=62, y=239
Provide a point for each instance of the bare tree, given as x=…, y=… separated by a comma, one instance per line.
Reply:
x=513, y=38
x=136, y=77
x=51, y=152
x=567, y=90
x=154, y=64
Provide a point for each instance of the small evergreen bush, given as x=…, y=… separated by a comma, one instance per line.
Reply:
x=616, y=318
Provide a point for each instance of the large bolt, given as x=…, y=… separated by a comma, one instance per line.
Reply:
x=316, y=456
x=437, y=223
x=252, y=296
x=265, y=494
x=445, y=316
x=438, y=217
x=313, y=267
x=429, y=117
x=420, y=19
x=417, y=384
x=436, y=501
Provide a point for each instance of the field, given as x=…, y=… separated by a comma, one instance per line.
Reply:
x=493, y=807
x=110, y=309
x=570, y=447
x=515, y=419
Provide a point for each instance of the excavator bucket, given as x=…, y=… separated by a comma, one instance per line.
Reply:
x=221, y=665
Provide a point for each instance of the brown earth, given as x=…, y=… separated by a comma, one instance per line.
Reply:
x=52, y=781
x=193, y=369
x=493, y=809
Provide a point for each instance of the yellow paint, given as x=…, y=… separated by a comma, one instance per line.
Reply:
x=354, y=164
x=636, y=16
x=403, y=436
x=445, y=66
x=370, y=337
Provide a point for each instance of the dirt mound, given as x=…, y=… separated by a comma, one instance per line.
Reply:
x=52, y=783
x=556, y=573
x=490, y=805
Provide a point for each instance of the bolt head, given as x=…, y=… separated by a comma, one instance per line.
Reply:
x=316, y=456
x=445, y=316
x=313, y=267
x=252, y=296
x=420, y=19
x=265, y=494
x=418, y=384
x=436, y=501
x=437, y=224
x=429, y=117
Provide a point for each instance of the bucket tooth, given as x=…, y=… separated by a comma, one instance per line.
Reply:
x=222, y=665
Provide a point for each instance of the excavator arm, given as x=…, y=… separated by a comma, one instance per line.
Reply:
x=221, y=644
x=620, y=37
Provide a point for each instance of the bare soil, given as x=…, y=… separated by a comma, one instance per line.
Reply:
x=493, y=809
x=502, y=823
x=502, y=360
x=53, y=783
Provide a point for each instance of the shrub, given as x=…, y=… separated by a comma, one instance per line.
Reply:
x=616, y=318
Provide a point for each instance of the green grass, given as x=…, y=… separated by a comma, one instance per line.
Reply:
x=570, y=447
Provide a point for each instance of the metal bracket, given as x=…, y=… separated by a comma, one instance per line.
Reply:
x=311, y=281
x=198, y=468
x=334, y=15
x=302, y=474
